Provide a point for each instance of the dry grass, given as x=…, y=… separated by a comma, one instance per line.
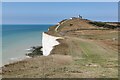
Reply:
x=62, y=48
x=36, y=67
x=76, y=24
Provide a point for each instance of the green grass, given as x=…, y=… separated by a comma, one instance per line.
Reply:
x=92, y=53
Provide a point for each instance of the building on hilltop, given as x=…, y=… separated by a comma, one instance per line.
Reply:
x=76, y=17
x=79, y=16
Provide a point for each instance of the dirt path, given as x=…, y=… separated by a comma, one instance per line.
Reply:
x=79, y=46
x=88, y=53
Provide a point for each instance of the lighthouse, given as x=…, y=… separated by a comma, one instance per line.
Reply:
x=79, y=16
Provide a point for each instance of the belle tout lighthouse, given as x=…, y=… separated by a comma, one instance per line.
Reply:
x=79, y=16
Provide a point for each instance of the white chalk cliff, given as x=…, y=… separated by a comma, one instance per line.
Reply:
x=48, y=42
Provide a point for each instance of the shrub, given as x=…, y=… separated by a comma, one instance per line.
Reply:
x=103, y=24
x=71, y=24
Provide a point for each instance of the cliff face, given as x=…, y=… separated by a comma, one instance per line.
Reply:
x=48, y=42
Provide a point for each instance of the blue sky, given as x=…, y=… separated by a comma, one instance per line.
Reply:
x=53, y=12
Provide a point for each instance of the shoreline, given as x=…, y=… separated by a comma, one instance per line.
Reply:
x=15, y=42
x=18, y=59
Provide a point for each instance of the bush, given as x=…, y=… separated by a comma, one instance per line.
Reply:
x=100, y=24
x=103, y=24
x=71, y=24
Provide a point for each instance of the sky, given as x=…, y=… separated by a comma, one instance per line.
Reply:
x=60, y=0
x=53, y=12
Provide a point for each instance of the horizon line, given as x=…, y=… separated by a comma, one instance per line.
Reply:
x=29, y=24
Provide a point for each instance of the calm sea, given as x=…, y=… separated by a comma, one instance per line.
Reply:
x=17, y=38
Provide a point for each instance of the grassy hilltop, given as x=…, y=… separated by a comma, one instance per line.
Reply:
x=89, y=50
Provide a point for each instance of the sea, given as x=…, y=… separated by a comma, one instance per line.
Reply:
x=17, y=38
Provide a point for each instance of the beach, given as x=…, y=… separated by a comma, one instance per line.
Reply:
x=18, y=38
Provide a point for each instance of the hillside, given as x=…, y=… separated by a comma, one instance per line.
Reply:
x=86, y=51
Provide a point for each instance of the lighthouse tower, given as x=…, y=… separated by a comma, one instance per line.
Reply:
x=79, y=16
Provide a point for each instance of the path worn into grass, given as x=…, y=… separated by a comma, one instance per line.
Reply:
x=88, y=47
x=93, y=57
